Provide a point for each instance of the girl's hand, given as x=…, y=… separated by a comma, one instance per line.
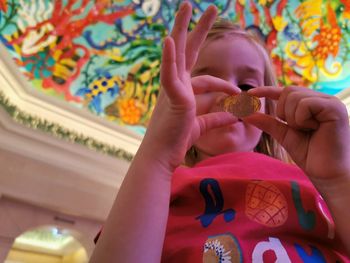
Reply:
x=313, y=128
x=174, y=125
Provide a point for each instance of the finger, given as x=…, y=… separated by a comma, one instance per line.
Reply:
x=179, y=34
x=276, y=93
x=273, y=93
x=291, y=105
x=304, y=114
x=198, y=35
x=281, y=132
x=206, y=83
x=288, y=100
x=314, y=111
x=214, y=120
x=168, y=71
x=270, y=92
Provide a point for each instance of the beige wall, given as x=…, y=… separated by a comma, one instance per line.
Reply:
x=18, y=217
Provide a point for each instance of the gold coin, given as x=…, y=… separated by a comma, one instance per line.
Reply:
x=241, y=105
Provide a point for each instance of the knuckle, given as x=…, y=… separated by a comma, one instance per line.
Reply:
x=338, y=104
x=202, y=125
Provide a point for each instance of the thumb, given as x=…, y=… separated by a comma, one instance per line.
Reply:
x=268, y=124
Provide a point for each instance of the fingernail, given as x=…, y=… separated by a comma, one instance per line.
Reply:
x=251, y=91
x=212, y=7
x=237, y=90
x=182, y=6
x=186, y=5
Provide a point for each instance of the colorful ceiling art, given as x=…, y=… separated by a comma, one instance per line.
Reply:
x=104, y=55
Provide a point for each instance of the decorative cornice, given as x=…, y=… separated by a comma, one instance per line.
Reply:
x=59, y=131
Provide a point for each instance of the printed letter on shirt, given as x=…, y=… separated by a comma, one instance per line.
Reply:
x=214, y=203
x=273, y=244
x=307, y=219
x=315, y=256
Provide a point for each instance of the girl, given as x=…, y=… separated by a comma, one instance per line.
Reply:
x=233, y=204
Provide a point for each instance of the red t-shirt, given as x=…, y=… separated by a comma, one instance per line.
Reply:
x=248, y=207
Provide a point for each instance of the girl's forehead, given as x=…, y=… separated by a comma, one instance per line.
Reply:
x=228, y=39
x=230, y=50
x=230, y=55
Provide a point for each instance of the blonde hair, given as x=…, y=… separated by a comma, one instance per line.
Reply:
x=266, y=145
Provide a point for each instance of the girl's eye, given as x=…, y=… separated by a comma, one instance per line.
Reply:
x=245, y=87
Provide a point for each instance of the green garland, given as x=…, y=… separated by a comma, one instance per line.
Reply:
x=60, y=132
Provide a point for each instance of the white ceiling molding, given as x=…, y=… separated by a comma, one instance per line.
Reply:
x=55, y=152
x=46, y=171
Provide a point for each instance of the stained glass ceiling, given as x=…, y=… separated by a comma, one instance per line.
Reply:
x=104, y=56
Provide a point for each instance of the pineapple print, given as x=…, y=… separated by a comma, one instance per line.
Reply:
x=265, y=204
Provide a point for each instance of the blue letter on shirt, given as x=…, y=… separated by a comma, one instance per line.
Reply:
x=214, y=203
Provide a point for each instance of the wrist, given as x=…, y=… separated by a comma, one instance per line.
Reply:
x=164, y=153
x=151, y=155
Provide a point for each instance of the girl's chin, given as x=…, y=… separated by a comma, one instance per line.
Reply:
x=219, y=149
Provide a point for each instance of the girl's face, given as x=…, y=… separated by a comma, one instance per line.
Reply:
x=237, y=60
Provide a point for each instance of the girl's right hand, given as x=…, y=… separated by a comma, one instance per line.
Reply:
x=174, y=126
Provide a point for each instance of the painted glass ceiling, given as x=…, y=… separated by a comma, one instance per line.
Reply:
x=104, y=55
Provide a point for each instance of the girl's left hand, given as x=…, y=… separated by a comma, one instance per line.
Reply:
x=313, y=128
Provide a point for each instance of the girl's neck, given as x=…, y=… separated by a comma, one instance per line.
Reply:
x=202, y=155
